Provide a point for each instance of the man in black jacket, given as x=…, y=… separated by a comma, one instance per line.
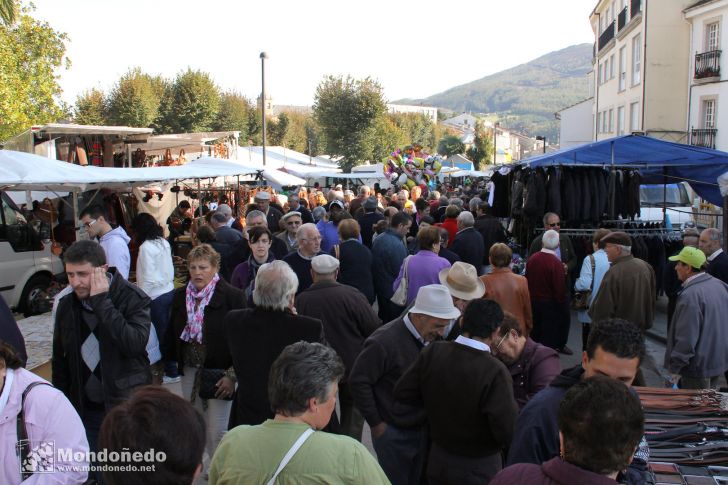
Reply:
x=615, y=349
x=468, y=243
x=398, y=434
x=468, y=397
x=490, y=228
x=368, y=219
x=348, y=320
x=710, y=243
x=100, y=336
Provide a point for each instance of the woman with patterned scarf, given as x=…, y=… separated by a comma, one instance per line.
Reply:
x=259, y=239
x=198, y=310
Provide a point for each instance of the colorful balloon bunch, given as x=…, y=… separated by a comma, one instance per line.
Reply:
x=410, y=167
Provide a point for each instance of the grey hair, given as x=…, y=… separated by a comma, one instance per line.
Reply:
x=305, y=230
x=364, y=189
x=318, y=213
x=548, y=216
x=275, y=285
x=225, y=209
x=301, y=372
x=253, y=214
x=218, y=217
x=458, y=202
x=466, y=219
x=550, y=239
x=715, y=235
x=474, y=203
x=625, y=249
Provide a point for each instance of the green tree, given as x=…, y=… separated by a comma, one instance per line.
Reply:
x=386, y=138
x=134, y=100
x=8, y=11
x=482, y=150
x=450, y=145
x=31, y=52
x=347, y=110
x=234, y=115
x=190, y=104
x=277, y=130
x=417, y=128
x=90, y=108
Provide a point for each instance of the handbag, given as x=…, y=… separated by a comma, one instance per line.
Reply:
x=208, y=379
x=400, y=296
x=23, y=446
x=580, y=301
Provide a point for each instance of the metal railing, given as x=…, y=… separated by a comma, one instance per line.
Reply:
x=703, y=137
x=622, y=19
x=635, y=8
x=707, y=64
x=606, y=36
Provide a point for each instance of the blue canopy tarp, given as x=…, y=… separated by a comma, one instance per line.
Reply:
x=658, y=161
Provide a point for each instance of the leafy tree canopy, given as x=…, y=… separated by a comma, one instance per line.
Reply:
x=190, y=104
x=31, y=53
x=90, y=108
x=135, y=98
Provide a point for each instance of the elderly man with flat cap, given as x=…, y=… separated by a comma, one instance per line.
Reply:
x=628, y=289
x=272, y=215
x=348, y=320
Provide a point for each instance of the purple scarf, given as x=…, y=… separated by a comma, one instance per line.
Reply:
x=193, y=329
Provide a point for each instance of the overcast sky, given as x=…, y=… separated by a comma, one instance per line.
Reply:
x=413, y=48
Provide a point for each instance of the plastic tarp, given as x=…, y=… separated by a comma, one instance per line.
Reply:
x=658, y=161
x=25, y=171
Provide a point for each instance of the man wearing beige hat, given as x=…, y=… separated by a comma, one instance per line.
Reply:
x=348, y=320
x=398, y=431
x=628, y=288
x=272, y=215
x=462, y=281
x=696, y=355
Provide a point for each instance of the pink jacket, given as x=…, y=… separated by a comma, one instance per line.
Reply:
x=49, y=417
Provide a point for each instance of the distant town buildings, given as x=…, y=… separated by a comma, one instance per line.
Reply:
x=428, y=111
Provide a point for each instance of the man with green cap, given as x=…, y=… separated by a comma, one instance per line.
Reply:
x=696, y=354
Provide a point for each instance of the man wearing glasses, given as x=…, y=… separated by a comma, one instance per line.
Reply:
x=565, y=251
x=292, y=220
x=115, y=241
x=309, y=246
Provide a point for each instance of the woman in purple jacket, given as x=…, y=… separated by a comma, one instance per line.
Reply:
x=600, y=425
x=424, y=267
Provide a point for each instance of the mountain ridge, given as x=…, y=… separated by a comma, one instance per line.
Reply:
x=526, y=96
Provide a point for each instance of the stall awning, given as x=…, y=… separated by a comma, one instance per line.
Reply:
x=657, y=160
x=25, y=171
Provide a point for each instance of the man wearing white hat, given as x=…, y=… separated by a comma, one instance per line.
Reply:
x=398, y=432
x=467, y=395
x=348, y=320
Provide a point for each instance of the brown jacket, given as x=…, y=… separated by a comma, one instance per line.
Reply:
x=627, y=291
x=511, y=292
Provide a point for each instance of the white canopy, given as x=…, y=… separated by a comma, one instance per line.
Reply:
x=25, y=171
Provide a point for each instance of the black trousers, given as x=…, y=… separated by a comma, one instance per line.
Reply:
x=445, y=468
x=551, y=323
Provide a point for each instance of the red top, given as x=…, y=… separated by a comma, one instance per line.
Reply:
x=546, y=277
x=451, y=224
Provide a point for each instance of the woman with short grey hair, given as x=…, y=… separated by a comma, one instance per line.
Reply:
x=302, y=388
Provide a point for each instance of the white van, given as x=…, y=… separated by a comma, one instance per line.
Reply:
x=26, y=263
x=676, y=199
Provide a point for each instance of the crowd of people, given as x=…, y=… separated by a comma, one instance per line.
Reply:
x=401, y=309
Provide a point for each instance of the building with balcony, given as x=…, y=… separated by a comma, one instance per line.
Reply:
x=641, y=62
x=707, y=82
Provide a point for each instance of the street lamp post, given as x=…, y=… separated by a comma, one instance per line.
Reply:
x=263, y=57
x=495, y=141
x=543, y=139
